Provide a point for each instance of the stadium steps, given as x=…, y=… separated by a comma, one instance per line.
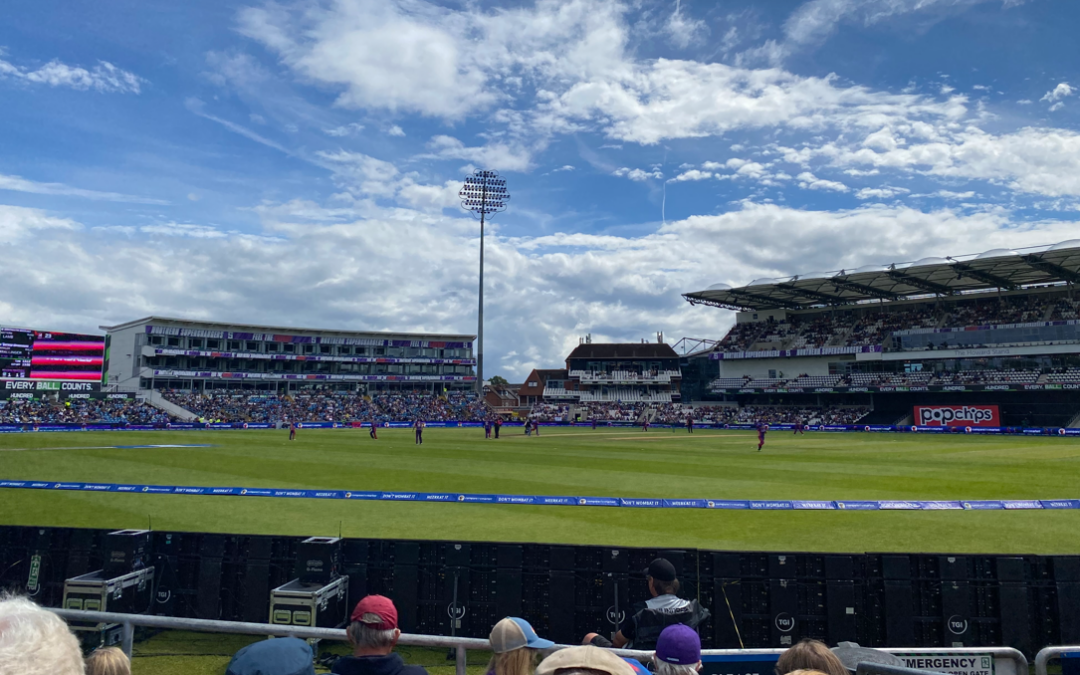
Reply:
x=154, y=398
x=1074, y=422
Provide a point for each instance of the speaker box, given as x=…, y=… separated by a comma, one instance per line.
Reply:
x=209, y=592
x=318, y=560
x=561, y=607
x=899, y=619
x=406, y=578
x=783, y=610
x=840, y=610
x=125, y=551
x=1015, y=616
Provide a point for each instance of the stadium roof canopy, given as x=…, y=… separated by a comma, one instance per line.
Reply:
x=1003, y=269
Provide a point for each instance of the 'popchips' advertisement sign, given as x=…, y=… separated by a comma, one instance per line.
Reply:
x=957, y=416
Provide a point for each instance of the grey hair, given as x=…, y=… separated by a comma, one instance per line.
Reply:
x=34, y=641
x=665, y=668
x=362, y=636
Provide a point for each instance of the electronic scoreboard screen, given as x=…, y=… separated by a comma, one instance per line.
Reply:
x=46, y=355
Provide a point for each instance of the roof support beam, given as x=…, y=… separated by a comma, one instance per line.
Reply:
x=765, y=302
x=940, y=289
x=1036, y=261
x=863, y=288
x=813, y=295
x=981, y=275
x=697, y=300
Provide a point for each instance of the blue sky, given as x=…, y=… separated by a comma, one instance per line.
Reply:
x=297, y=162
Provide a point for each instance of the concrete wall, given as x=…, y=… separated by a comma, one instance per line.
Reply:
x=124, y=353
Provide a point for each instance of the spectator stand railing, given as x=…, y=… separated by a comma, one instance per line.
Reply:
x=1007, y=661
x=1047, y=654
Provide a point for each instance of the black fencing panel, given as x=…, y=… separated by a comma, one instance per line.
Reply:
x=756, y=599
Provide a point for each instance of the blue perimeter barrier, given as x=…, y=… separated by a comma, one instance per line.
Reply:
x=545, y=500
x=202, y=426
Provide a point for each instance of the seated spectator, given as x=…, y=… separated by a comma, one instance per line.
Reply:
x=373, y=632
x=642, y=629
x=34, y=641
x=280, y=656
x=514, y=646
x=678, y=651
x=586, y=660
x=810, y=655
x=108, y=661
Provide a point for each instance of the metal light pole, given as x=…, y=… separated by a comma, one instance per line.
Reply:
x=484, y=194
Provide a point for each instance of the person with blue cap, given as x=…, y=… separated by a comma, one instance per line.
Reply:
x=515, y=645
x=277, y=656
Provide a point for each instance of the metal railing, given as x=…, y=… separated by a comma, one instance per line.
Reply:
x=1047, y=653
x=461, y=645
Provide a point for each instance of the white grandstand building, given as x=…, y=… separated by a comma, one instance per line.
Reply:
x=169, y=353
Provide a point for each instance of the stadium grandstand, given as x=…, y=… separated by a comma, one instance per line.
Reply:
x=164, y=353
x=999, y=328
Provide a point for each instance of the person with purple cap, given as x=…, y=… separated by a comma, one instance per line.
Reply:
x=678, y=651
x=373, y=632
x=514, y=646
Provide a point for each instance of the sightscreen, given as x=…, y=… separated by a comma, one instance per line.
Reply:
x=50, y=355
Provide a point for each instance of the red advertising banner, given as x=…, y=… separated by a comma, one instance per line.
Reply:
x=957, y=416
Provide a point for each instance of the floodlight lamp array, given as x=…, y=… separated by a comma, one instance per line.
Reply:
x=484, y=193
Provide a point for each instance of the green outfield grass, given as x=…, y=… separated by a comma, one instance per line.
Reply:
x=604, y=462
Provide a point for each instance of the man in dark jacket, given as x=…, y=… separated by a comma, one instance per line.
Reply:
x=373, y=632
x=642, y=628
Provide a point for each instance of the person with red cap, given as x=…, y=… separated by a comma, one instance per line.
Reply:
x=373, y=632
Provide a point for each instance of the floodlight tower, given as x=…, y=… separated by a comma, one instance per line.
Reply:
x=483, y=195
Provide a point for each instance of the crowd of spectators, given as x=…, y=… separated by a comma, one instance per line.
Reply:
x=854, y=328
x=80, y=411
x=330, y=407
x=666, y=631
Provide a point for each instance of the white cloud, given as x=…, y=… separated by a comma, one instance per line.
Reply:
x=349, y=129
x=17, y=223
x=419, y=57
x=1035, y=160
x=638, y=175
x=886, y=192
x=104, y=77
x=813, y=22
x=949, y=194
x=497, y=156
x=395, y=130
x=184, y=230
x=684, y=31
x=360, y=272
x=1063, y=90
x=809, y=181
x=692, y=175
x=20, y=184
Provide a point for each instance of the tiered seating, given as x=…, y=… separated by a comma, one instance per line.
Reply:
x=815, y=381
x=627, y=394
x=1069, y=376
x=728, y=382
x=330, y=406
x=987, y=377
x=81, y=411
x=763, y=382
